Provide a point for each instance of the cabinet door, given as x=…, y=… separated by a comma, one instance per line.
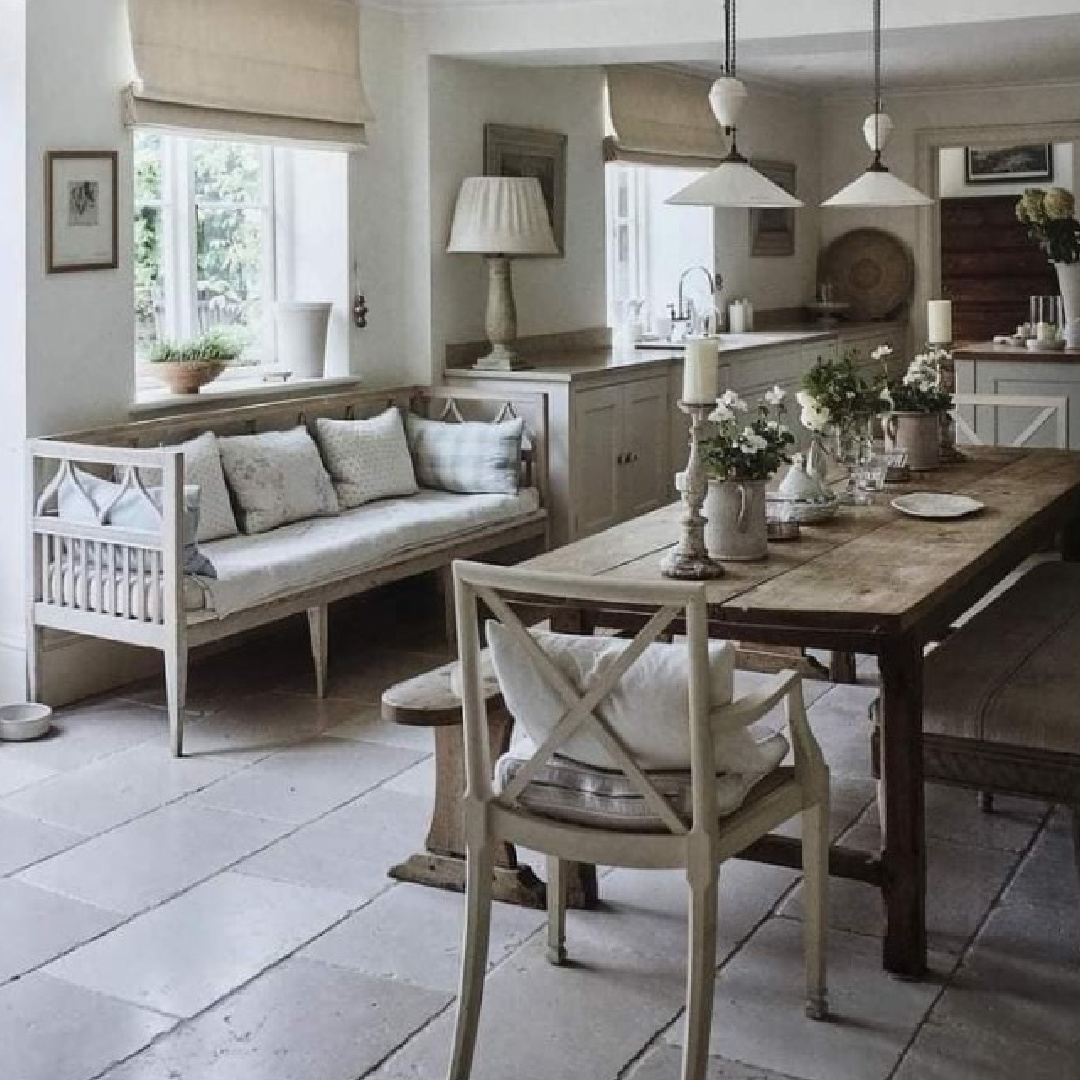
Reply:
x=644, y=476
x=596, y=450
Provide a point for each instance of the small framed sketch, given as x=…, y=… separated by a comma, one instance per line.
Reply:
x=81, y=210
x=514, y=151
x=1009, y=164
x=772, y=232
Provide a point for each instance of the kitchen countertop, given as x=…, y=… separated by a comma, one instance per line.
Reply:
x=988, y=351
x=568, y=366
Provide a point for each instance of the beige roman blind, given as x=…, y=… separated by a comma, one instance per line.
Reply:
x=267, y=69
x=661, y=117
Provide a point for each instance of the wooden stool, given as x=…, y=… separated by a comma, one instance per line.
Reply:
x=430, y=700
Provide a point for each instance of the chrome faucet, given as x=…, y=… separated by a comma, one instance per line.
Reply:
x=685, y=312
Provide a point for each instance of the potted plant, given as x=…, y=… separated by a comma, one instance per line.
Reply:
x=916, y=403
x=186, y=366
x=741, y=453
x=834, y=396
x=1050, y=217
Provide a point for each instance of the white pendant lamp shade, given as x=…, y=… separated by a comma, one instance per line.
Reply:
x=727, y=98
x=878, y=188
x=501, y=215
x=735, y=183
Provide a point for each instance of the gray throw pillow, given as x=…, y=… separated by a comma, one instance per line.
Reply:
x=471, y=457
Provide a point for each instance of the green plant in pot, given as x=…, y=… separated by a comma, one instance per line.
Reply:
x=185, y=366
x=917, y=403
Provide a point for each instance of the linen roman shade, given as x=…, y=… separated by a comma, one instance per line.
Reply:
x=661, y=117
x=269, y=69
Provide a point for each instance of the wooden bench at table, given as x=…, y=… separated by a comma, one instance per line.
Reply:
x=1001, y=712
x=430, y=700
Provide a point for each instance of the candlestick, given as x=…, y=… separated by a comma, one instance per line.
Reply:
x=689, y=560
x=939, y=322
x=701, y=376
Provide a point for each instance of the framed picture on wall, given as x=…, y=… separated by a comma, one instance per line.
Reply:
x=81, y=210
x=1009, y=164
x=514, y=151
x=772, y=232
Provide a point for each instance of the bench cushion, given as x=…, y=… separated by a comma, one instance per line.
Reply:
x=1011, y=674
x=256, y=569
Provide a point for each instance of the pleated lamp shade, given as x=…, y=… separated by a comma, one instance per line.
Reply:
x=501, y=215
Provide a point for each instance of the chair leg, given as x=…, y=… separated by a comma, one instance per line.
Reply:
x=478, y=882
x=556, y=907
x=701, y=970
x=815, y=854
x=318, y=628
x=176, y=664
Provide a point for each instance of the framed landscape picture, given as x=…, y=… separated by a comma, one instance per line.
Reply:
x=514, y=151
x=1009, y=164
x=772, y=232
x=81, y=210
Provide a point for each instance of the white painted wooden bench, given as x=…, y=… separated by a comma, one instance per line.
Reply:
x=142, y=603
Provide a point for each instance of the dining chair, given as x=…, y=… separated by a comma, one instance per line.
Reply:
x=609, y=720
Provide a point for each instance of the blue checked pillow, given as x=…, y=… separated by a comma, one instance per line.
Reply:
x=470, y=457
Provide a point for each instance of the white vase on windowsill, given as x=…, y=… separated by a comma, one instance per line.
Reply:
x=301, y=344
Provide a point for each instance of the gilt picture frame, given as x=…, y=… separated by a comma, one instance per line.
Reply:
x=515, y=151
x=1030, y=162
x=772, y=232
x=82, y=222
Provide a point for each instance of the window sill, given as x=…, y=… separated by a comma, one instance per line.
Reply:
x=156, y=401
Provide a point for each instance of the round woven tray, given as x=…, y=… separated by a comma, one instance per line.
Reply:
x=872, y=270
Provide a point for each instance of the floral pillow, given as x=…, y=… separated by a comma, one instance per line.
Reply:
x=276, y=477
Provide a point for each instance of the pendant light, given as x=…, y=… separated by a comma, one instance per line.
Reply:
x=877, y=187
x=734, y=182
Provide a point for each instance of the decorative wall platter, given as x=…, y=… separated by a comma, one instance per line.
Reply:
x=870, y=269
x=937, y=505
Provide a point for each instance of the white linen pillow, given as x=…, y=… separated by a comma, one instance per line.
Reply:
x=84, y=497
x=367, y=459
x=649, y=706
x=472, y=457
x=276, y=477
x=202, y=467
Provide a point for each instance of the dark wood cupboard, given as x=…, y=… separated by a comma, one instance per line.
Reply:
x=989, y=266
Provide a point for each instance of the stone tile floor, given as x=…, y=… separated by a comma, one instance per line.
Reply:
x=228, y=916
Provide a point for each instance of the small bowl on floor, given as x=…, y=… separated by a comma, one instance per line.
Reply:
x=27, y=721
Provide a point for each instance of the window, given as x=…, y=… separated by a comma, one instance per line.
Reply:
x=650, y=243
x=206, y=219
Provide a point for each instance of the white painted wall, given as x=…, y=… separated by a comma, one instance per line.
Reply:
x=775, y=127
x=12, y=340
x=953, y=176
x=552, y=294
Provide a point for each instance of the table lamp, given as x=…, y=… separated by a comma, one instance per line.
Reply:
x=501, y=216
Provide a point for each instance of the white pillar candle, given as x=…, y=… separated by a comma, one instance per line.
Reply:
x=701, y=376
x=939, y=322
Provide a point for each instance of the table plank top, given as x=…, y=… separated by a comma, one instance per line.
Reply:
x=871, y=568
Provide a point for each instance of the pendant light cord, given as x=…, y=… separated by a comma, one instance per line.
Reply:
x=877, y=83
x=729, y=38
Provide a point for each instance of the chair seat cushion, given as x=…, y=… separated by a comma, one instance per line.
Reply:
x=1010, y=675
x=566, y=790
x=256, y=569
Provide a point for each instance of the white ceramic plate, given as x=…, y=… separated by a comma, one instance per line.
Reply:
x=936, y=504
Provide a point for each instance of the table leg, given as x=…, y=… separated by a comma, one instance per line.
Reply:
x=1070, y=541
x=903, y=828
x=842, y=667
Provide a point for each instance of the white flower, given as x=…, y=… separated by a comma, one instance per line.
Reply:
x=774, y=396
x=733, y=401
x=721, y=413
x=753, y=443
x=881, y=352
x=806, y=399
x=887, y=397
x=814, y=417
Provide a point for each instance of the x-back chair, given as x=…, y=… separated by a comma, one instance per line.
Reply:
x=687, y=833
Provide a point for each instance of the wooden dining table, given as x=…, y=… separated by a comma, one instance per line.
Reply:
x=870, y=581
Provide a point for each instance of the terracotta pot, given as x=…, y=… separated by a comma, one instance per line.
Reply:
x=917, y=433
x=186, y=378
x=735, y=520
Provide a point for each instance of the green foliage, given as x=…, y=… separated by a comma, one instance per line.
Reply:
x=922, y=386
x=741, y=448
x=1050, y=217
x=213, y=348
x=835, y=393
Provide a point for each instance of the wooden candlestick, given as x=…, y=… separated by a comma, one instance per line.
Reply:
x=689, y=560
